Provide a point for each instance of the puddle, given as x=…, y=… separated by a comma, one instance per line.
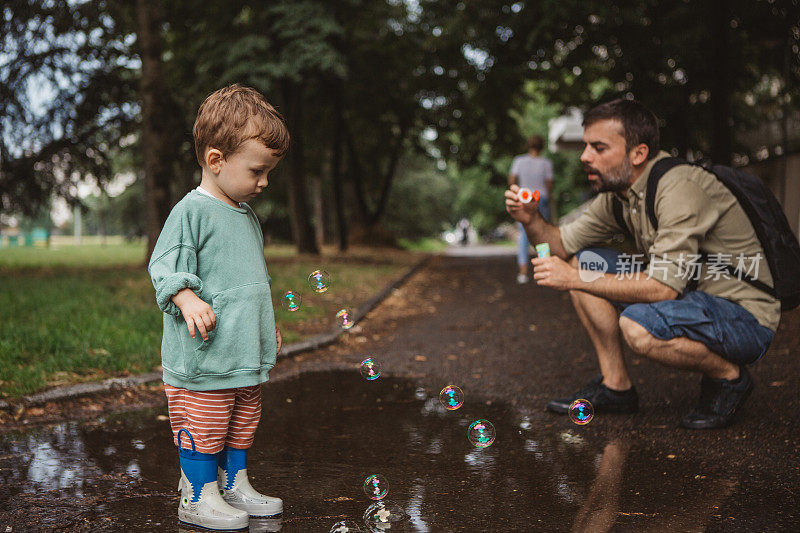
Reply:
x=322, y=434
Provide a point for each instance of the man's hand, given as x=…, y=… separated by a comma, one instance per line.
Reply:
x=278, y=338
x=196, y=312
x=524, y=213
x=554, y=272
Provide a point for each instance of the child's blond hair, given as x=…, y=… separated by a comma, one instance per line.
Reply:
x=234, y=114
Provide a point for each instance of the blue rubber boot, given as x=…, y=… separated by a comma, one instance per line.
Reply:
x=236, y=489
x=201, y=503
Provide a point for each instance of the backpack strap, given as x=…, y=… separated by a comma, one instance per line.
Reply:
x=616, y=208
x=660, y=168
x=760, y=285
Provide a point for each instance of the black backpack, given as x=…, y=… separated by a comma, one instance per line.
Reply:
x=766, y=215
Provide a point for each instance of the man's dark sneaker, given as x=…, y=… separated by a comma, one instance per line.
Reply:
x=603, y=399
x=719, y=401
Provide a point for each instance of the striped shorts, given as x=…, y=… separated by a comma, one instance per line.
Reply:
x=215, y=418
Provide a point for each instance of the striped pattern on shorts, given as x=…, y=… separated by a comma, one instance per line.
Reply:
x=215, y=418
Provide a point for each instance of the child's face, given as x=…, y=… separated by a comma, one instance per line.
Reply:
x=243, y=175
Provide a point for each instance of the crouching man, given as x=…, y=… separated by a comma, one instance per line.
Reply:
x=670, y=303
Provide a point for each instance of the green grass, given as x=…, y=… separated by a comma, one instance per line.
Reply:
x=354, y=279
x=69, y=255
x=74, y=314
x=427, y=244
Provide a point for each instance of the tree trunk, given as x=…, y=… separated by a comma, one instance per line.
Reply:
x=360, y=215
x=721, y=136
x=155, y=138
x=302, y=226
x=336, y=170
x=366, y=221
x=319, y=213
x=372, y=216
x=391, y=171
x=340, y=224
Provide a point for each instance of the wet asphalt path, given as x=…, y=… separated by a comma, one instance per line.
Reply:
x=461, y=320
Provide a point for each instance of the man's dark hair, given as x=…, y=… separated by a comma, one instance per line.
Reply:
x=639, y=124
x=536, y=142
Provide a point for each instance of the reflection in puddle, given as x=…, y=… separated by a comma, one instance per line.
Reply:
x=120, y=473
x=414, y=507
x=601, y=505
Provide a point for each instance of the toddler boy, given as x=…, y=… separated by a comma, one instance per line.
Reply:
x=210, y=276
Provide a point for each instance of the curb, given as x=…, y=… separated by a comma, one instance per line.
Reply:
x=69, y=392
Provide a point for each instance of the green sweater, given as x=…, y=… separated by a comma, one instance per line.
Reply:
x=216, y=250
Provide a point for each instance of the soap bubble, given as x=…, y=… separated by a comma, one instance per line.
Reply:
x=452, y=397
x=383, y=513
x=376, y=487
x=581, y=411
x=345, y=319
x=291, y=301
x=481, y=433
x=420, y=394
x=346, y=526
x=525, y=423
x=370, y=369
x=319, y=280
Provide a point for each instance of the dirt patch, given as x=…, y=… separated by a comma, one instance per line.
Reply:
x=119, y=400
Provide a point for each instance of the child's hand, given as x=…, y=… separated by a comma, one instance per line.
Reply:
x=196, y=312
x=278, y=338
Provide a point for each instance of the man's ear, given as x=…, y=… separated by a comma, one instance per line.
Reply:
x=214, y=160
x=638, y=154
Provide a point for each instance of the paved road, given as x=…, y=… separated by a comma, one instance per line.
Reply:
x=465, y=320
x=481, y=250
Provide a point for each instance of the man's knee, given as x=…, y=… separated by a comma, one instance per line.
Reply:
x=638, y=338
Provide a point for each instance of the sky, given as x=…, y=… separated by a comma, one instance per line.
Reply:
x=61, y=212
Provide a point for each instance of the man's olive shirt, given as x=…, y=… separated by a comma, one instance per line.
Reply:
x=695, y=213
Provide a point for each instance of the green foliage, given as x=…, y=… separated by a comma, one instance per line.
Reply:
x=426, y=244
x=67, y=94
x=421, y=199
x=389, y=70
x=532, y=114
x=40, y=219
x=477, y=198
x=480, y=186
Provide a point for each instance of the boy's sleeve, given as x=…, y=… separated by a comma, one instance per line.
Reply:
x=173, y=265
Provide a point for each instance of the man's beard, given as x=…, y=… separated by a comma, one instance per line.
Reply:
x=614, y=180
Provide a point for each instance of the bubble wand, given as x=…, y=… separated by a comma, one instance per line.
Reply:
x=525, y=195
